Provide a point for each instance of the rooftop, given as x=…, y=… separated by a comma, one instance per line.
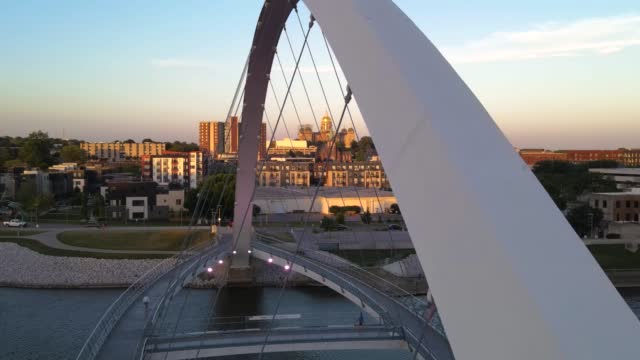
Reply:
x=617, y=171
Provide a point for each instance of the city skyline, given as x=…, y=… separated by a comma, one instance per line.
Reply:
x=552, y=75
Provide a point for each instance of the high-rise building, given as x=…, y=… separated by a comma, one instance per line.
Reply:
x=211, y=137
x=204, y=135
x=231, y=133
x=183, y=168
x=262, y=142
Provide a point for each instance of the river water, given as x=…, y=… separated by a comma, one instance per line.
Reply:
x=53, y=324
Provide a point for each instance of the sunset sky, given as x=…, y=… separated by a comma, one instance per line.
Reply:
x=553, y=74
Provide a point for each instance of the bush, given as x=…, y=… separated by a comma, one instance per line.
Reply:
x=335, y=209
x=352, y=209
x=366, y=217
x=394, y=209
x=327, y=223
x=340, y=218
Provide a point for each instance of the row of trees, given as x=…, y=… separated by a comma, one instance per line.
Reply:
x=37, y=150
x=215, y=189
x=565, y=182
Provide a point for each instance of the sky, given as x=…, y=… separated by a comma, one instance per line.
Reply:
x=553, y=74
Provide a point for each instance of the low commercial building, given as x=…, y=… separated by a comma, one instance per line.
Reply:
x=617, y=207
x=366, y=174
x=173, y=199
x=130, y=200
x=120, y=151
x=282, y=200
x=284, y=173
x=286, y=147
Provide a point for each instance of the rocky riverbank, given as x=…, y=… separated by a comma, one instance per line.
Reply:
x=21, y=267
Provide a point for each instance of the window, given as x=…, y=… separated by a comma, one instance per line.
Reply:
x=617, y=204
x=628, y=204
x=617, y=217
x=596, y=203
x=635, y=204
x=178, y=201
x=137, y=203
x=627, y=217
x=604, y=204
x=635, y=217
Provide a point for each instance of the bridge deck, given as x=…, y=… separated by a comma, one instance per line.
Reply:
x=125, y=340
x=432, y=344
x=223, y=343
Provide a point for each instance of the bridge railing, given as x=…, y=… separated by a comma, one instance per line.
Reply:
x=112, y=315
x=261, y=322
x=413, y=303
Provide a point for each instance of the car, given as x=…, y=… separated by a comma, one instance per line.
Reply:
x=394, y=227
x=339, y=227
x=15, y=223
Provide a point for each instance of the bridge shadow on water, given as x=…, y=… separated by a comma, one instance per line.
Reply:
x=252, y=308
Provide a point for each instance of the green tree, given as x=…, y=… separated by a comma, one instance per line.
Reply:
x=364, y=148
x=565, y=181
x=5, y=156
x=99, y=204
x=211, y=192
x=72, y=153
x=26, y=193
x=394, y=209
x=41, y=202
x=584, y=219
x=36, y=150
x=84, y=209
x=181, y=146
x=327, y=223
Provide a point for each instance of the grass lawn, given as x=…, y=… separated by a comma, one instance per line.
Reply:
x=373, y=257
x=45, y=250
x=615, y=257
x=154, y=240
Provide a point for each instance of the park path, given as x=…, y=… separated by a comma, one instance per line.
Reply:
x=49, y=237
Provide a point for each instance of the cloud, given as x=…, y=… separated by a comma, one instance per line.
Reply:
x=168, y=63
x=595, y=36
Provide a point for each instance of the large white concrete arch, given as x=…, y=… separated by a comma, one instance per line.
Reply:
x=509, y=275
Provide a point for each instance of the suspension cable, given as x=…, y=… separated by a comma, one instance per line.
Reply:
x=347, y=99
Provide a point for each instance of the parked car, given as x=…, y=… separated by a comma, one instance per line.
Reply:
x=394, y=227
x=339, y=227
x=15, y=223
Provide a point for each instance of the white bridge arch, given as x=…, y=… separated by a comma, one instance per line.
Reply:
x=511, y=278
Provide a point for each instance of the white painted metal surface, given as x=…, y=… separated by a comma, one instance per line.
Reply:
x=511, y=278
